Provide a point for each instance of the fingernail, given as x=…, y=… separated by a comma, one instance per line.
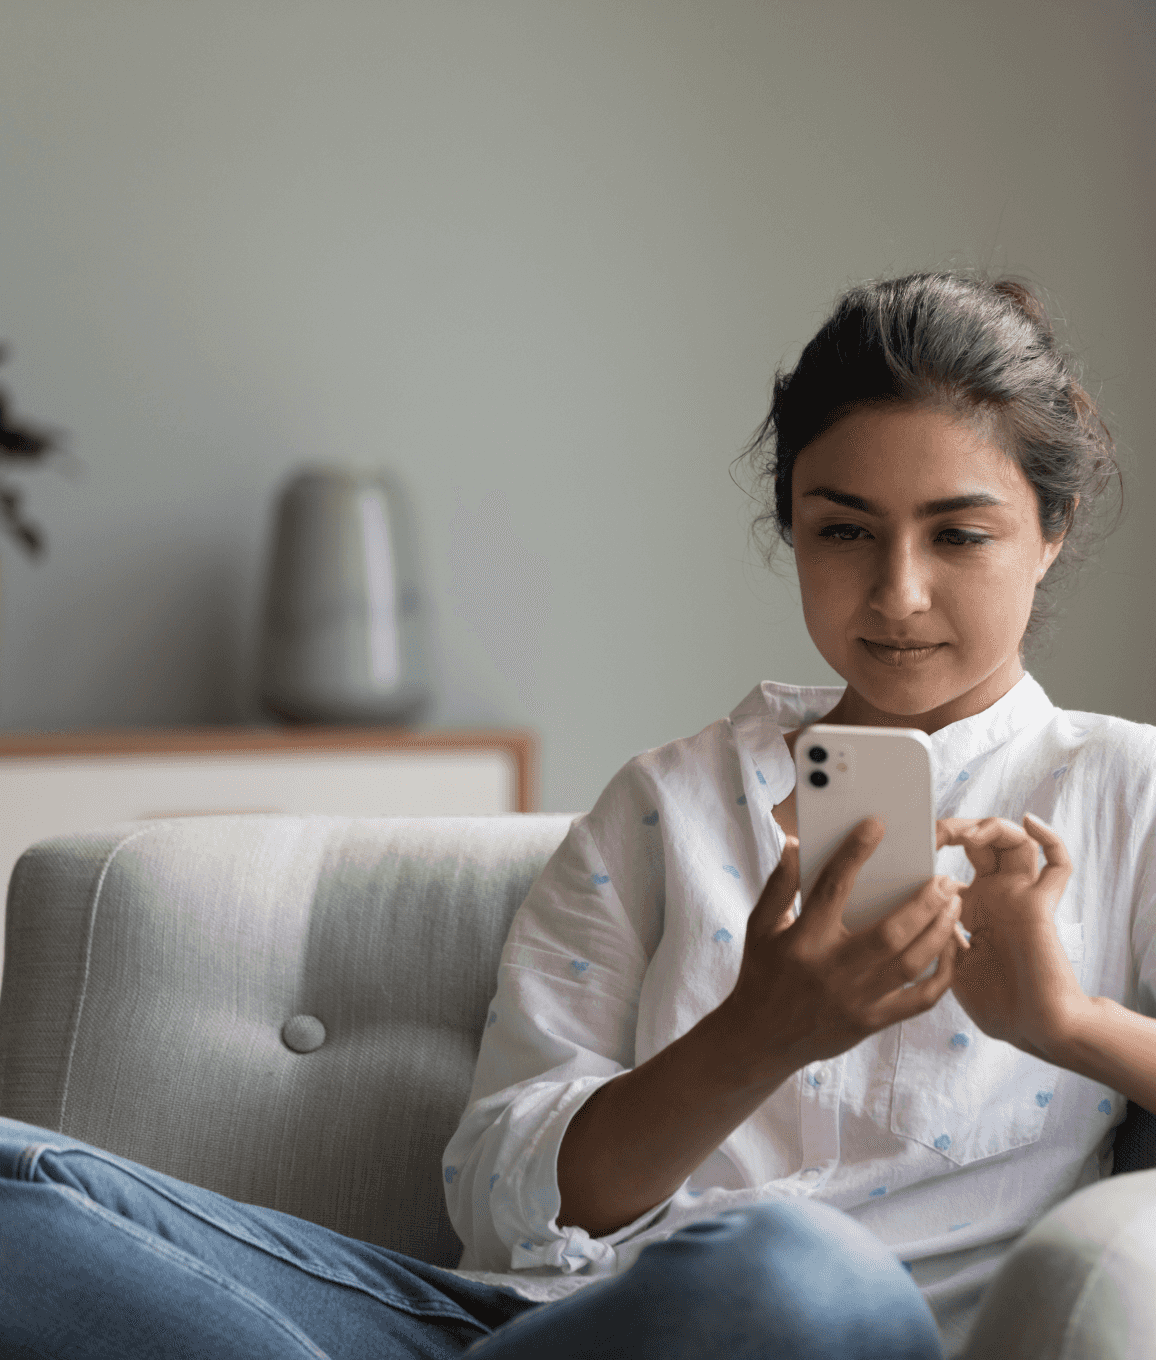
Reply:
x=963, y=935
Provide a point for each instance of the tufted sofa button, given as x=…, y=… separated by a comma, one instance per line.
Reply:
x=303, y=1033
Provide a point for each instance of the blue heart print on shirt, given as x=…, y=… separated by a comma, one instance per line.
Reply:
x=759, y=776
x=494, y=1179
x=960, y=1041
x=1105, y=1107
x=451, y=1172
x=599, y=879
x=579, y=965
x=1042, y=1098
x=943, y=1142
x=651, y=818
x=730, y=869
x=722, y=936
x=879, y=1190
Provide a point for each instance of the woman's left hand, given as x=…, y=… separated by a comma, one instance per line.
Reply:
x=1015, y=980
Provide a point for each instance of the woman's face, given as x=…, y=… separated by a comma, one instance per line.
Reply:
x=882, y=565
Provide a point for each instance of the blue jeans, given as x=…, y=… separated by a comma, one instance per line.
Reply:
x=101, y=1257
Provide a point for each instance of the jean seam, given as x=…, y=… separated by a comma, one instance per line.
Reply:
x=454, y=1311
x=30, y=1155
x=159, y=1247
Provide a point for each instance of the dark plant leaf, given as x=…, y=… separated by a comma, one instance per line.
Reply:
x=19, y=440
x=27, y=535
x=23, y=442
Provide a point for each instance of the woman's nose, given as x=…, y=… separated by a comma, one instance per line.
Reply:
x=901, y=582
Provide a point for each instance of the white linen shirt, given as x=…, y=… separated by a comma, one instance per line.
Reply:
x=944, y=1143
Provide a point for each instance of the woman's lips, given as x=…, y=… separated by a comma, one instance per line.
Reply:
x=897, y=656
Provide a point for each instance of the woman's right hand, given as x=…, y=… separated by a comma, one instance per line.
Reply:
x=810, y=989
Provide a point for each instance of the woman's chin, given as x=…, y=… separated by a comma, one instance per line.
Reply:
x=902, y=692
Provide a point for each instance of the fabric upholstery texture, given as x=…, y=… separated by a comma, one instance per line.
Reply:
x=150, y=971
x=283, y=1009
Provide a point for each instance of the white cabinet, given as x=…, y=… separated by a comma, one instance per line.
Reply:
x=51, y=783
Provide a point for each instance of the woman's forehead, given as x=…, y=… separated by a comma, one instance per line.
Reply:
x=912, y=456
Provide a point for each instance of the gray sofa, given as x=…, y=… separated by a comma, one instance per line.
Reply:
x=284, y=1009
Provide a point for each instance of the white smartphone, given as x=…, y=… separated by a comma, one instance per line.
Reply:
x=844, y=774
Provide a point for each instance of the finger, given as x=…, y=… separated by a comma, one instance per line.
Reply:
x=1058, y=866
x=951, y=830
x=771, y=911
x=823, y=909
x=962, y=831
x=926, y=946
x=1010, y=849
x=948, y=830
x=905, y=1001
x=994, y=845
x=896, y=931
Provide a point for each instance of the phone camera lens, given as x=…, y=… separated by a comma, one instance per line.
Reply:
x=818, y=754
x=818, y=778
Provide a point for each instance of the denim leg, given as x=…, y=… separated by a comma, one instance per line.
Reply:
x=101, y=1257
x=792, y=1280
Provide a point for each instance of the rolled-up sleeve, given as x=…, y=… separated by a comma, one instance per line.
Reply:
x=561, y=1024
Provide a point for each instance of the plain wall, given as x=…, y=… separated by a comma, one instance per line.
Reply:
x=540, y=260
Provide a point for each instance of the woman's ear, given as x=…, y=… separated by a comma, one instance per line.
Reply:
x=1052, y=550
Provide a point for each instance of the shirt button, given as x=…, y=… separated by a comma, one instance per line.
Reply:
x=811, y=1172
x=818, y=1075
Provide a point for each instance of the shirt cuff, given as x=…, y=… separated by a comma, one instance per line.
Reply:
x=536, y=1201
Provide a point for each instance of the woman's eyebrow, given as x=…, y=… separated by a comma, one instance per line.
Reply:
x=925, y=511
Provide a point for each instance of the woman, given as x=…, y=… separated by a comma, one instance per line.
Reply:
x=666, y=1042
x=704, y=1123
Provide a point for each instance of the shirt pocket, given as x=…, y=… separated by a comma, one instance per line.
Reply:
x=965, y=1095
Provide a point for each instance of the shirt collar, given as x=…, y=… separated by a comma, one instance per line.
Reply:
x=772, y=709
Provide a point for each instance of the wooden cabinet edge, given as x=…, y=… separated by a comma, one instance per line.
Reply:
x=519, y=744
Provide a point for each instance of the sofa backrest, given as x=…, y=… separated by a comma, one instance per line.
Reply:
x=151, y=971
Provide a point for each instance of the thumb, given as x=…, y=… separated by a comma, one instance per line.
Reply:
x=773, y=910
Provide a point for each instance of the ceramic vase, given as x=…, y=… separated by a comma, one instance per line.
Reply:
x=344, y=634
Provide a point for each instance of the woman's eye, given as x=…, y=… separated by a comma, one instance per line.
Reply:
x=836, y=532
x=965, y=538
x=956, y=538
